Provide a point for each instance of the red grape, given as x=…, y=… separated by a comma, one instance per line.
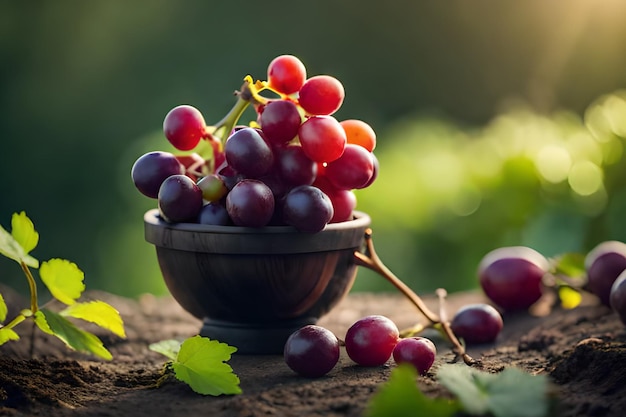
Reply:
x=417, y=351
x=477, y=323
x=312, y=351
x=603, y=264
x=151, y=169
x=618, y=296
x=286, y=74
x=214, y=213
x=179, y=199
x=250, y=203
x=307, y=209
x=512, y=276
x=370, y=341
x=280, y=121
x=321, y=95
x=248, y=153
x=322, y=138
x=184, y=126
x=294, y=167
x=352, y=169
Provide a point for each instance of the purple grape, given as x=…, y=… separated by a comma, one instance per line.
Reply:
x=512, y=276
x=180, y=199
x=603, y=264
x=151, y=169
x=312, y=351
x=618, y=296
x=280, y=121
x=417, y=351
x=307, y=209
x=214, y=213
x=248, y=153
x=477, y=323
x=295, y=167
x=250, y=203
x=370, y=341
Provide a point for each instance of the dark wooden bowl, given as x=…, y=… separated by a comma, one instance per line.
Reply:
x=253, y=287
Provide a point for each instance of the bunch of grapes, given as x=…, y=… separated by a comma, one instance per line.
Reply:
x=294, y=165
x=516, y=277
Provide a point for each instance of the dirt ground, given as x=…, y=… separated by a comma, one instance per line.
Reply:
x=582, y=350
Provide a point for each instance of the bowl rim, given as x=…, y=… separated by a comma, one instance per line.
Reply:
x=152, y=217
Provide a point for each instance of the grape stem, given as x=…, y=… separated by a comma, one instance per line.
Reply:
x=370, y=260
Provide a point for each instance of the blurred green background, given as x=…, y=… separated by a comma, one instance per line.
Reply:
x=499, y=123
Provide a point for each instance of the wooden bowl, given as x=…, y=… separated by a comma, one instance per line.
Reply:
x=253, y=287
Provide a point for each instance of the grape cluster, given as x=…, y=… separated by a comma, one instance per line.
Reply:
x=516, y=277
x=296, y=164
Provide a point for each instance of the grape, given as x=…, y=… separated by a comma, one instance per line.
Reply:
x=322, y=138
x=307, y=209
x=179, y=199
x=286, y=74
x=214, y=213
x=151, y=169
x=184, y=126
x=370, y=341
x=280, y=121
x=321, y=95
x=417, y=351
x=213, y=187
x=603, y=264
x=248, y=153
x=312, y=351
x=374, y=173
x=352, y=169
x=294, y=167
x=344, y=203
x=512, y=276
x=359, y=133
x=250, y=203
x=618, y=296
x=477, y=323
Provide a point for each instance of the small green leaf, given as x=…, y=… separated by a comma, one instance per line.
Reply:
x=510, y=393
x=201, y=364
x=169, y=348
x=97, y=312
x=570, y=298
x=64, y=280
x=7, y=334
x=3, y=309
x=23, y=231
x=401, y=397
x=11, y=248
x=571, y=265
x=71, y=335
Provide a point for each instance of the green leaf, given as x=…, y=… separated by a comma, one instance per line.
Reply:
x=169, y=348
x=64, y=280
x=97, y=312
x=510, y=393
x=23, y=231
x=7, y=334
x=201, y=364
x=401, y=397
x=71, y=335
x=4, y=310
x=12, y=249
x=570, y=264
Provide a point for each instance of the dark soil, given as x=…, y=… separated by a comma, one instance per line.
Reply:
x=583, y=351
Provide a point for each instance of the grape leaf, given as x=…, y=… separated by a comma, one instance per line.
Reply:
x=571, y=265
x=23, y=231
x=401, y=397
x=63, y=278
x=12, y=249
x=97, y=312
x=510, y=393
x=169, y=348
x=201, y=364
x=3, y=309
x=7, y=334
x=71, y=335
